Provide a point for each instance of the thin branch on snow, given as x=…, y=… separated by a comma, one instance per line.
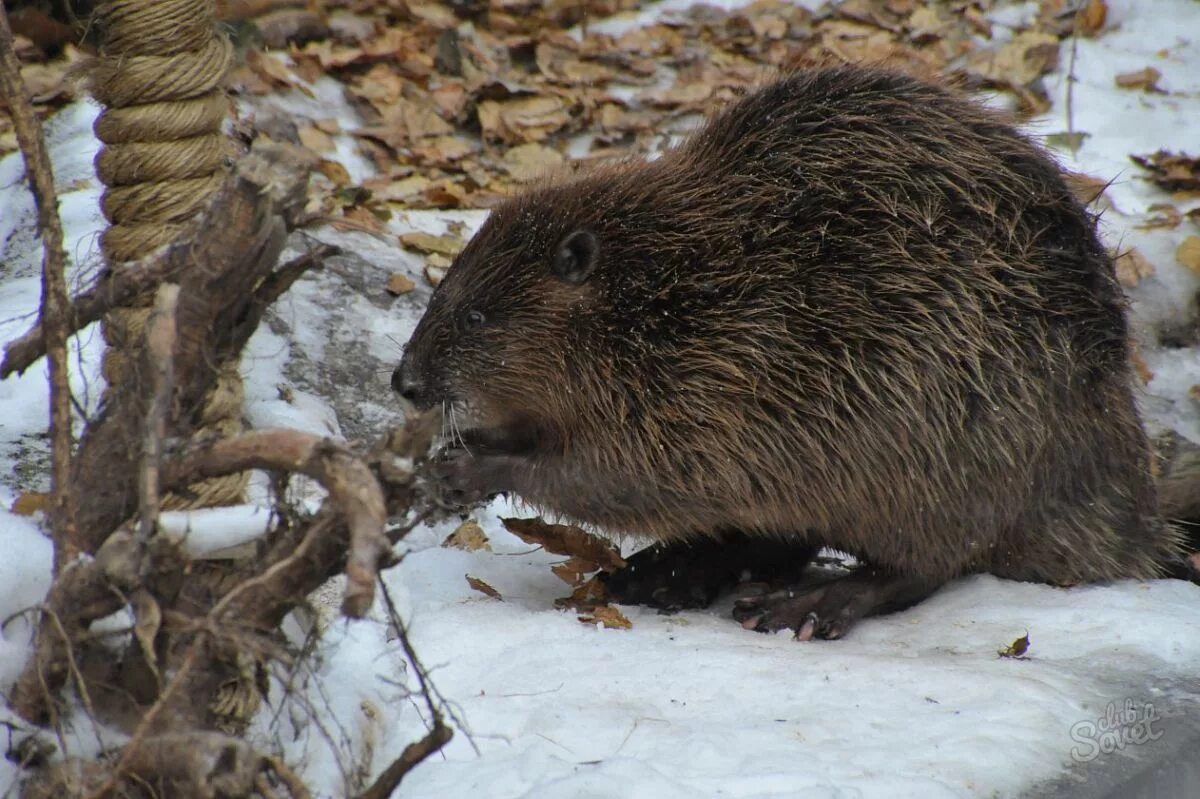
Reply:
x=54, y=305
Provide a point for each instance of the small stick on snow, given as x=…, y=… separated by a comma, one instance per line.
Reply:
x=53, y=312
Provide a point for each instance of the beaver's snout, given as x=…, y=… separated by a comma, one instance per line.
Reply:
x=410, y=384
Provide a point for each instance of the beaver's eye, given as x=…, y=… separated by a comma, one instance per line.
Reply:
x=473, y=319
x=576, y=257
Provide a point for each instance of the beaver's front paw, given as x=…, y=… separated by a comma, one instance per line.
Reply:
x=464, y=479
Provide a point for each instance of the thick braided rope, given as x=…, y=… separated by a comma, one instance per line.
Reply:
x=159, y=76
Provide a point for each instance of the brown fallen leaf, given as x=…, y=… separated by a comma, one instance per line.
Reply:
x=1145, y=79
x=335, y=172
x=1017, y=648
x=1161, y=215
x=482, y=587
x=1091, y=17
x=315, y=139
x=524, y=119
x=445, y=244
x=30, y=503
x=609, y=616
x=468, y=536
x=529, y=162
x=399, y=283
x=586, y=597
x=274, y=72
x=1131, y=267
x=563, y=539
x=1171, y=171
x=1188, y=253
x=1028, y=56
x=573, y=571
x=1140, y=367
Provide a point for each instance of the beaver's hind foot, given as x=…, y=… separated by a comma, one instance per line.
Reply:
x=830, y=609
x=687, y=574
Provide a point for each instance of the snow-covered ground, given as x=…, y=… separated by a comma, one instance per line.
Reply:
x=917, y=704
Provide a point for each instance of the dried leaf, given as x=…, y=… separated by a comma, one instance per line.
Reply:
x=483, y=588
x=1017, y=648
x=443, y=150
x=334, y=171
x=405, y=190
x=315, y=139
x=1145, y=79
x=524, y=119
x=274, y=72
x=468, y=536
x=30, y=503
x=1170, y=171
x=1188, y=253
x=1091, y=17
x=399, y=283
x=1132, y=267
x=1161, y=215
x=147, y=621
x=438, y=15
x=586, y=597
x=609, y=616
x=1068, y=140
x=562, y=539
x=573, y=571
x=445, y=244
x=1140, y=366
x=529, y=162
x=1028, y=56
x=360, y=217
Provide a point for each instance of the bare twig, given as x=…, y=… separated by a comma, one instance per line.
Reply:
x=116, y=289
x=53, y=311
x=160, y=351
x=413, y=754
x=439, y=734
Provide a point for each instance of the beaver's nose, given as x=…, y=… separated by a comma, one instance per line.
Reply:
x=408, y=384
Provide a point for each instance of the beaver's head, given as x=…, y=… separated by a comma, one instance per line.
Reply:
x=499, y=345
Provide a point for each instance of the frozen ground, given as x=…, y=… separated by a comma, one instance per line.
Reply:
x=913, y=705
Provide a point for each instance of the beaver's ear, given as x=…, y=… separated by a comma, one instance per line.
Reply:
x=576, y=257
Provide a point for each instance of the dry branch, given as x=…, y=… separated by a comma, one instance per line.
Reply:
x=115, y=289
x=410, y=758
x=191, y=632
x=160, y=350
x=353, y=491
x=53, y=311
x=226, y=287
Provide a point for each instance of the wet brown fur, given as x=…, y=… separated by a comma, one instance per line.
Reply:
x=855, y=309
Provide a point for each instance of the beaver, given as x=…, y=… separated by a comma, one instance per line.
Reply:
x=854, y=310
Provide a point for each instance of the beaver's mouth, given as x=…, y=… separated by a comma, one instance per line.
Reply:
x=510, y=439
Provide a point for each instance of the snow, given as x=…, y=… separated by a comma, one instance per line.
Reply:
x=209, y=530
x=917, y=704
